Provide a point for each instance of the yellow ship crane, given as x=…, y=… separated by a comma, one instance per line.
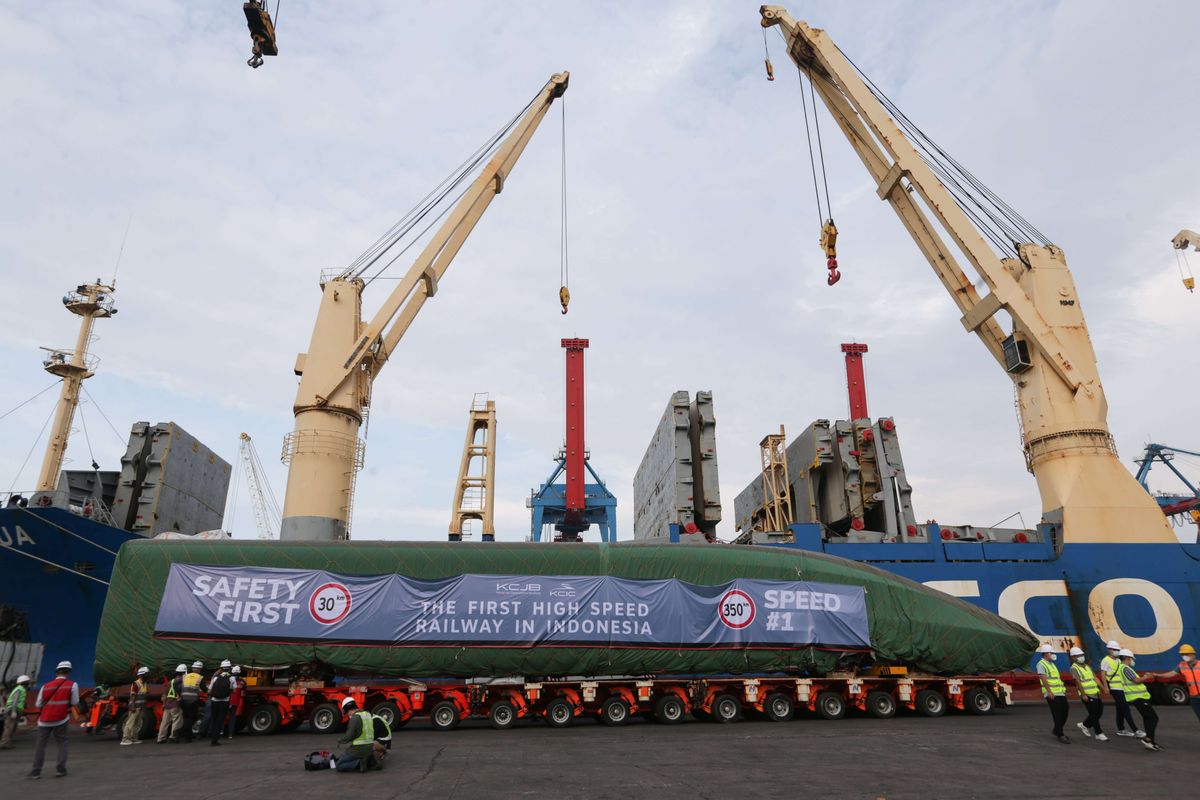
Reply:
x=1087, y=495
x=345, y=355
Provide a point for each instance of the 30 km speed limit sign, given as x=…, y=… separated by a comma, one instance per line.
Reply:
x=330, y=603
x=736, y=609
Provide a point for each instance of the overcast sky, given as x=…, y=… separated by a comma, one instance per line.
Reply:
x=693, y=232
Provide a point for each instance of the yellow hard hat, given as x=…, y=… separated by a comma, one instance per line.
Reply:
x=1187, y=650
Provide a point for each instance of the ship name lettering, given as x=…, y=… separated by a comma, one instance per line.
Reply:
x=22, y=538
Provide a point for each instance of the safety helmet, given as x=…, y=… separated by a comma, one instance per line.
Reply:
x=1112, y=645
x=1075, y=651
x=22, y=679
x=226, y=664
x=1045, y=649
x=181, y=668
x=64, y=665
x=1187, y=650
x=349, y=701
x=1125, y=653
x=143, y=671
x=237, y=670
x=197, y=664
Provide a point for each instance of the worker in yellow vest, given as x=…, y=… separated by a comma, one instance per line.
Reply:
x=1054, y=690
x=1089, y=694
x=1138, y=696
x=1190, y=671
x=136, y=710
x=1110, y=679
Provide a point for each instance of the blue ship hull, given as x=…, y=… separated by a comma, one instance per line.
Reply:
x=55, y=567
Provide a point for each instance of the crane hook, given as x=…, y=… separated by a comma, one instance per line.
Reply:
x=564, y=297
x=829, y=234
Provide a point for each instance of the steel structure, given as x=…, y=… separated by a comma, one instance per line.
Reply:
x=324, y=452
x=777, y=490
x=262, y=499
x=475, y=492
x=1085, y=491
x=1171, y=504
x=856, y=383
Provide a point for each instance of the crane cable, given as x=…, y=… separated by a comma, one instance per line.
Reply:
x=564, y=272
x=1185, y=269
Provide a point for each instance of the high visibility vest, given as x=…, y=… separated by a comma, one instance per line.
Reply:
x=1112, y=668
x=56, y=700
x=1085, y=680
x=190, y=691
x=1191, y=674
x=1054, y=682
x=384, y=731
x=137, y=694
x=171, y=695
x=368, y=729
x=1133, y=691
x=17, y=700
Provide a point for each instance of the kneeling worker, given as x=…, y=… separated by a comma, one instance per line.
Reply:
x=360, y=735
x=1089, y=695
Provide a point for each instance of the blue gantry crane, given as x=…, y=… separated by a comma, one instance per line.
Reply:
x=1175, y=506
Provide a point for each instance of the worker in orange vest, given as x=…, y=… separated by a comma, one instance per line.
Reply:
x=1190, y=671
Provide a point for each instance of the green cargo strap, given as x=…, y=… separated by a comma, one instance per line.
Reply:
x=1085, y=679
x=1053, y=679
x=368, y=729
x=1112, y=667
x=1133, y=691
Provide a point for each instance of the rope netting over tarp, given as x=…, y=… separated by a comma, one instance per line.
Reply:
x=909, y=623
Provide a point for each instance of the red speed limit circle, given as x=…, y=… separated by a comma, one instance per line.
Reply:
x=330, y=603
x=736, y=609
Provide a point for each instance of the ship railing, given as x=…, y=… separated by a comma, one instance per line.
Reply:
x=88, y=508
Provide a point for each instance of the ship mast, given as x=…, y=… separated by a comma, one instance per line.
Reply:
x=91, y=301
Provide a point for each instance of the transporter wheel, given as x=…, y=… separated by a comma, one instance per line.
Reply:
x=930, y=703
x=444, y=716
x=325, y=718
x=559, y=713
x=726, y=709
x=979, y=701
x=1175, y=694
x=881, y=705
x=263, y=719
x=615, y=711
x=669, y=709
x=503, y=715
x=830, y=705
x=778, y=707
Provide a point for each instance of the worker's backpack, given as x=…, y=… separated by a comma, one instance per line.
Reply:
x=318, y=759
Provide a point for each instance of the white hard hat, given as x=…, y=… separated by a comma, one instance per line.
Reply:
x=1045, y=649
x=1113, y=645
x=63, y=665
x=22, y=679
x=197, y=664
x=1125, y=653
x=143, y=671
x=181, y=668
x=346, y=702
x=226, y=664
x=1075, y=651
x=237, y=670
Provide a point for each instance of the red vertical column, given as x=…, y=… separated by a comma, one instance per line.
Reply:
x=575, y=444
x=856, y=384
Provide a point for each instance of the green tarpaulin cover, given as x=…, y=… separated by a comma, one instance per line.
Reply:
x=910, y=624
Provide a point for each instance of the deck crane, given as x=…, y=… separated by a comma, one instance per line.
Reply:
x=345, y=355
x=262, y=499
x=1085, y=491
x=1182, y=241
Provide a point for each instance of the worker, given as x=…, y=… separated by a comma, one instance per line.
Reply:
x=136, y=712
x=172, y=718
x=1054, y=691
x=360, y=735
x=1110, y=677
x=1190, y=672
x=14, y=711
x=57, y=703
x=189, y=699
x=207, y=721
x=218, y=698
x=1089, y=695
x=1138, y=696
x=237, y=688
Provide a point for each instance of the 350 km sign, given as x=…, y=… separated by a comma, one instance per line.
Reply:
x=736, y=609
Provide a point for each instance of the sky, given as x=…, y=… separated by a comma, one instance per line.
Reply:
x=692, y=228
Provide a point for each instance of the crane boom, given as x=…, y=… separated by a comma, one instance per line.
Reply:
x=1048, y=353
x=324, y=451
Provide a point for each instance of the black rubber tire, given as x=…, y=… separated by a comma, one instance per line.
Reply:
x=930, y=703
x=503, y=715
x=726, y=709
x=263, y=720
x=325, y=718
x=669, y=709
x=559, y=713
x=1174, y=694
x=778, y=707
x=881, y=705
x=831, y=705
x=444, y=716
x=979, y=701
x=614, y=711
x=389, y=712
